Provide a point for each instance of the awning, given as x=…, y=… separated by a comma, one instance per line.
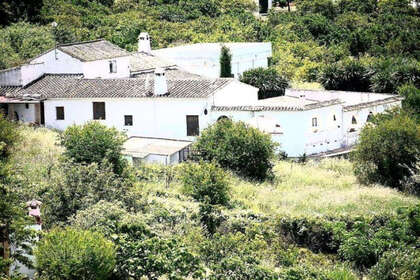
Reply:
x=11, y=100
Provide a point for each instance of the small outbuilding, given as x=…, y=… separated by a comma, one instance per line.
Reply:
x=156, y=150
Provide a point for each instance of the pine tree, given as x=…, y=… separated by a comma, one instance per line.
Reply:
x=225, y=63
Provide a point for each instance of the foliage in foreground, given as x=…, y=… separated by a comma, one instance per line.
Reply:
x=94, y=142
x=387, y=151
x=74, y=254
x=235, y=145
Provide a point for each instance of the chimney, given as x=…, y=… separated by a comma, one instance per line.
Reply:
x=144, y=43
x=161, y=86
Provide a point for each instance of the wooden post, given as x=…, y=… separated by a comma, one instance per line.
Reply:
x=11, y=112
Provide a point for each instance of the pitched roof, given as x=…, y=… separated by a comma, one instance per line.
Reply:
x=74, y=86
x=93, y=50
x=141, y=61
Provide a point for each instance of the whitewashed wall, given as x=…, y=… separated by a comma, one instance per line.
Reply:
x=58, y=62
x=235, y=94
x=100, y=68
x=152, y=117
x=25, y=115
x=11, y=77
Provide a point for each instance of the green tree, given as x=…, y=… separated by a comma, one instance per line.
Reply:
x=225, y=63
x=237, y=146
x=412, y=98
x=387, y=151
x=205, y=182
x=269, y=82
x=74, y=254
x=94, y=142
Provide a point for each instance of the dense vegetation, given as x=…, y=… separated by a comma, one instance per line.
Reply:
x=346, y=44
x=310, y=221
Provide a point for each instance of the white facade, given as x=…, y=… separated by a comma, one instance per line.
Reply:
x=203, y=59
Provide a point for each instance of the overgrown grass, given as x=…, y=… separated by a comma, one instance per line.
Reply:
x=324, y=188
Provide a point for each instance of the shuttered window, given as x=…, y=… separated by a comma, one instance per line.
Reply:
x=59, y=113
x=193, y=128
x=113, y=66
x=99, y=110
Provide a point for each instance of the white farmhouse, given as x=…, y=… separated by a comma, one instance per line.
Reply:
x=149, y=97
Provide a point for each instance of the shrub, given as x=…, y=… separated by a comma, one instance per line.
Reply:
x=76, y=187
x=211, y=217
x=9, y=135
x=73, y=254
x=156, y=257
x=412, y=98
x=400, y=264
x=237, y=146
x=269, y=82
x=205, y=182
x=388, y=151
x=94, y=142
x=237, y=268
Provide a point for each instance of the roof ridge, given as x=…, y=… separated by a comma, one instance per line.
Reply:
x=80, y=43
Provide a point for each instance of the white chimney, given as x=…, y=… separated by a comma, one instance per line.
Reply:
x=144, y=43
x=161, y=86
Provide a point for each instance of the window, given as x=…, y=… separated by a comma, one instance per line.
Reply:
x=98, y=110
x=192, y=126
x=59, y=112
x=314, y=122
x=113, y=66
x=26, y=105
x=353, y=120
x=128, y=120
x=334, y=118
x=369, y=117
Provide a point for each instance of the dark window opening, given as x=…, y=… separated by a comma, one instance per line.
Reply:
x=222, y=118
x=59, y=113
x=26, y=105
x=370, y=117
x=334, y=118
x=128, y=120
x=99, y=110
x=113, y=66
x=353, y=120
x=193, y=128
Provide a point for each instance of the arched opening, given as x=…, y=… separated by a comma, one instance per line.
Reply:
x=222, y=118
x=353, y=120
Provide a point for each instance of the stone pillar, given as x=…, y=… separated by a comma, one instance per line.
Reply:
x=11, y=112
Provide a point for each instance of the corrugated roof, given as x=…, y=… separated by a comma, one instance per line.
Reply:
x=73, y=86
x=93, y=50
x=143, y=146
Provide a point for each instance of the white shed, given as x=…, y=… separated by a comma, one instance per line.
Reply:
x=156, y=150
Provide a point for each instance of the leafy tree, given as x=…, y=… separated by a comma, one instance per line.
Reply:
x=324, y=7
x=75, y=254
x=76, y=186
x=269, y=82
x=9, y=135
x=19, y=10
x=237, y=146
x=387, y=151
x=94, y=143
x=412, y=98
x=225, y=63
x=206, y=182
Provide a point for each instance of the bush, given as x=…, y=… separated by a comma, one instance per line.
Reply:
x=9, y=136
x=400, y=264
x=211, y=217
x=73, y=254
x=388, y=151
x=237, y=146
x=205, y=182
x=76, y=187
x=156, y=257
x=237, y=268
x=269, y=82
x=94, y=142
x=412, y=99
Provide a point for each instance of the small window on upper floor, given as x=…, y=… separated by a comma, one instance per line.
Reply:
x=334, y=118
x=314, y=122
x=26, y=106
x=112, y=66
x=353, y=120
x=128, y=120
